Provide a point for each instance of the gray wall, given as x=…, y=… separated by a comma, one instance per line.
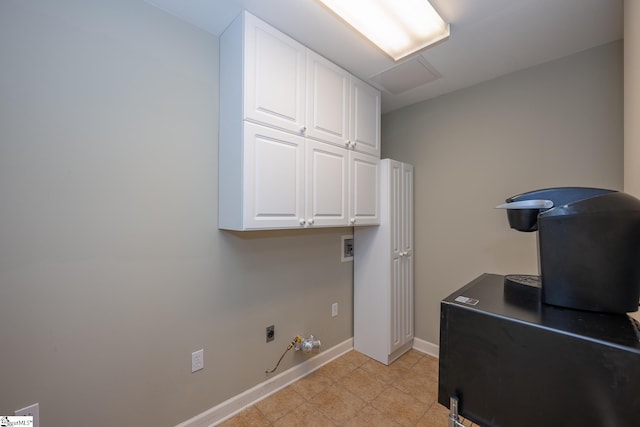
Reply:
x=632, y=101
x=112, y=270
x=632, y=97
x=557, y=124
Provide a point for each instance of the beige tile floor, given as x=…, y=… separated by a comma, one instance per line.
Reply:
x=355, y=390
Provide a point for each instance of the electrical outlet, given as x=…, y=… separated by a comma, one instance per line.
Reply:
x=197, y=360
x=334, y=309
x=271, y=333
x=30, y=411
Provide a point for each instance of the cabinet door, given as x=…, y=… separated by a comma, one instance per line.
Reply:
x=327, y=188
x=274, y=77
x=406, y=228
x=273, y=195
x=394, y=207
x=401, y=237
x=327, y=101
x=407, y=208
x=364, y=189
x=364, y=134
x=396, y=338
x=407, y=298
x=396, y=300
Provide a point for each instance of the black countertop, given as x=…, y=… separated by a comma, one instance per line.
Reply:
x=488, y=294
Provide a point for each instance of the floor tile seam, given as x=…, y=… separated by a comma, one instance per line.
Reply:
x=260, y=411
x=428, y=409
x=375, y=377
x=408, y=384
x=317, y=408
x=273, y=422
x=411, y=424
x=311, y=396
x=328, y=411
x=376, y=396
x=295, y=391
x=328, y=414
x=414, y=363
x=395, y=386
x=337, y=385
x=287, y=412
x=422, y=415
x=320, y=373
x=420, y=403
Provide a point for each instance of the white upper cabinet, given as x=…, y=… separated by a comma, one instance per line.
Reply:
x=274, y=78
x=287, y=182
x=327, y=191
x=364, y=135
x=274, y=178
x=364, y=189
x=341, y=109
x=299, y=137
x=327, y=101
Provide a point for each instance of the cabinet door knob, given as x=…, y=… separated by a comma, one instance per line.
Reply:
x=310, y=221
x=347, y=143
x=302, y=221
x=303, y=130
x=352, y=220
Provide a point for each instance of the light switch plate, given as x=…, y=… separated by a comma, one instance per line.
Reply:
x=197, y=360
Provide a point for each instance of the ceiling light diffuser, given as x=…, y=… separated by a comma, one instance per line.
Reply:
x=398, y=27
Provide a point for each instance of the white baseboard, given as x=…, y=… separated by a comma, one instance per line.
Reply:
x=230, y=407
x=426, y=347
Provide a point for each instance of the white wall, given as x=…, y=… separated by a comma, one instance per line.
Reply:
x=632, y=97
x=556, y=124
x=112, y=270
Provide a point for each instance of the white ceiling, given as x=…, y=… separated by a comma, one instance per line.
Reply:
x=489, y=38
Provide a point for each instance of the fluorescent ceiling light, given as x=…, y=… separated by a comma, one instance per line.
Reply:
x=398, y=27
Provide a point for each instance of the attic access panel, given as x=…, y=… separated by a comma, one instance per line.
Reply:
x=406, y=76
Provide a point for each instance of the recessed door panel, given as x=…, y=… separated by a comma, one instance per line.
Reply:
x=274, y=174
x=327, y=184
x=275, y=77
x=365, y=184
x=365, y=117
x=327, y=101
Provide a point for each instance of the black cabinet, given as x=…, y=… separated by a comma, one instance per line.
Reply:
x=512, y=361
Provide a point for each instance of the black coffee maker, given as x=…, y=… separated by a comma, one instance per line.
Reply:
x=588, y=243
